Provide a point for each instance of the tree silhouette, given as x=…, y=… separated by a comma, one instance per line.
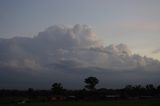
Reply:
x=30, y=92
x=158, y=87
x=57, y=88
x=128, y=87
x=129, y=90
x=91, y=82
x=151, y=89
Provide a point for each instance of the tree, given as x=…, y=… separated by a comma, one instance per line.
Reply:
x=91, y=82
x=30, y=92
x=129, y=87
x=57, y=88
x=158, y=89
x=150, y=89
x=129, y=90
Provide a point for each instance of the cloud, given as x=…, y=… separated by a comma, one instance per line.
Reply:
x=156, y=51
x=120, y=49
x=69, y=54
x=80, y=36
x=25, y=64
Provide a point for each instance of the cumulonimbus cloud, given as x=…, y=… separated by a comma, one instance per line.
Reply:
x=72, y=51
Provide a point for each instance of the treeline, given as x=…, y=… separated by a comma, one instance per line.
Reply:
x=58, y=92
x=128, y=91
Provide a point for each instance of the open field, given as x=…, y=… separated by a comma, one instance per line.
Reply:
x=92, y=103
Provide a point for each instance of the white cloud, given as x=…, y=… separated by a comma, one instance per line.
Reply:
x=80, y=36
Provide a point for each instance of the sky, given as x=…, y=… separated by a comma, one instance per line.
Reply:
x=134, y=22
x=108, y=26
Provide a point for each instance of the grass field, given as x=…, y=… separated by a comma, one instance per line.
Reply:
x=93, y=103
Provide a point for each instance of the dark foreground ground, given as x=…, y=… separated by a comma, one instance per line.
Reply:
x=147, y=102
